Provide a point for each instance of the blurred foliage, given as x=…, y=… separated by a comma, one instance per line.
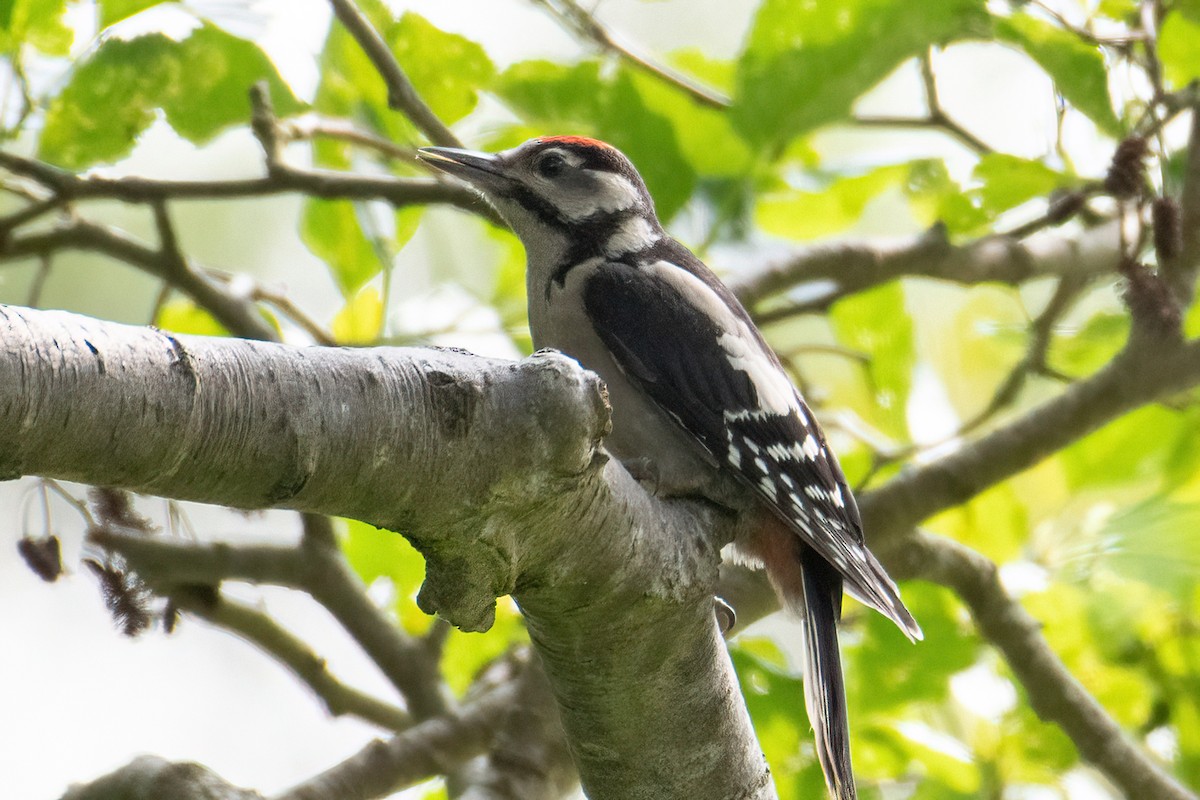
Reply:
x=1099, y=541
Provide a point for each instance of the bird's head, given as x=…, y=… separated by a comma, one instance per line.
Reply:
x=551, y=185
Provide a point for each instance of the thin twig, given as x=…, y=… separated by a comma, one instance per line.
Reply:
x=583, y=23
x=235, y=313
x=936, y=116
x=275, y=640
x=317, y=127
x=320, y=571
x=434, y=747
x=283, y=179
x=402, y=95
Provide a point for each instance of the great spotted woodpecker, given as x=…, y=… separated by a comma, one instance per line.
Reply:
x=695, y=390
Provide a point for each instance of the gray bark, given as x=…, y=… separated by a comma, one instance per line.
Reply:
x=493, y=469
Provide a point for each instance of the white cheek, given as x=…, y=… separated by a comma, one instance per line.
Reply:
x=613, y=193
x=634, y=234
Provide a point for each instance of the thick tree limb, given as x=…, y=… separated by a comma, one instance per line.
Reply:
x=492, y=469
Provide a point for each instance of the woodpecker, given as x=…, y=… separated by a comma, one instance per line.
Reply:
x=697, y=395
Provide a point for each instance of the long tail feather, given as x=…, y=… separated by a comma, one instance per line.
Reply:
x=824, y=689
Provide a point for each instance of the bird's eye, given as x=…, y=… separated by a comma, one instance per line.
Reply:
x=551, y=166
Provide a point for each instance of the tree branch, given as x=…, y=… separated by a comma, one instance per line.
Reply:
x=581, y=22
x=1053, y=692
x=1145, y=371
x=402, y=95
x=430, y=443
x=837, y=270
x=153, y=778
x=435, y=747
x=231, y=310
x=271, y=637
x=283, y=178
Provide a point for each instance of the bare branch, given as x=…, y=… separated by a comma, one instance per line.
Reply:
x=282, y=179
x=231, y=310
x=1146, y=370
x=1055, y=694
x=837, y=270
x=271, y=637
x=435, y=747
x=153, y=778
x=530, y=758
x=402, y=95
x=935, y=118
x=581, y=22
x=313, y=126
x=321, y=572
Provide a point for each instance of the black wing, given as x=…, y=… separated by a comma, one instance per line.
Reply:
x=660, y=323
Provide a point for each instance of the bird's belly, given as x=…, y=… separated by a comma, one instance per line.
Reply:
x=643, y=437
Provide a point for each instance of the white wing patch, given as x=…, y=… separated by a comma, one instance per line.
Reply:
x=776, y=395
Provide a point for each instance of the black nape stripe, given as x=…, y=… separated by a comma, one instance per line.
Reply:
x=588, y=238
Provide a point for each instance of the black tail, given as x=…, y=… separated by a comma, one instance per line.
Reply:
x=824, y=689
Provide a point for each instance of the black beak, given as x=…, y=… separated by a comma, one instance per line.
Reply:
x=483, y=170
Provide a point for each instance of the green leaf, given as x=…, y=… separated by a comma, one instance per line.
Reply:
x=113, y=11
x=332, y=231
x=829, y=210
x=447, y=70
x=201, y=84
x=184, y=316
x=467, y=653
x=935, y=197
x=1118, y=9
x=1090, y=347
x=888, y=673
x=35, y=22
x=109, y=101
x=377, y=554
x=1122, y=455
x=1179, y=48
x=806, y=62
x=1077, y=68
x=361, y=319
x=1155, y=542
x=216, y=71
x=1008, y=181
x=876, y=324
x=612, y=107
x=996, y=523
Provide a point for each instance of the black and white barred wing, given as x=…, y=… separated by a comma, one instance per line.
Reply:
x=683, y=338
